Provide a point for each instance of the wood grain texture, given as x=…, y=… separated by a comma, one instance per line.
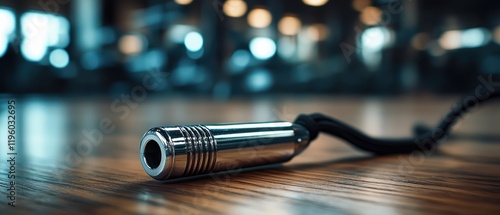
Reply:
x=461, y=177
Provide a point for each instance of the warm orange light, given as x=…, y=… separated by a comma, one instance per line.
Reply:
x=234, y=8
x=130, y=44
x=315, y=3
x=289, y=25
x=317, y=32
x=450, y=40
x=371, y=15
x=259, y=18
x=359, y=5
x=183, y=2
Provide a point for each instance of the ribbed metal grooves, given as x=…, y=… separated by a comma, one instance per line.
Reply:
x=201, y=149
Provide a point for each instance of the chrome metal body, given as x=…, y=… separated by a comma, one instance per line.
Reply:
x=180, y=151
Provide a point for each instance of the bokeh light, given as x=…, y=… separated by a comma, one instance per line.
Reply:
x=33, y=50
x=375, y=38
x=359, y=5
x=262, y=48
x=59, y=58
x=183, y=2
x=259, y=18
x=36, y=35
x=193, y=41
x=240, y=60
x=475, y=37
x=373, y=41
x=317, y=32
x=289, y=25
x=469, y=38
x=131, y=44
x=370, y=16
x=8, y=21
x=450, y=40
x=259, y=80
x=41, y=31
x=315, y=3
x=7, y=26
x=234, y=8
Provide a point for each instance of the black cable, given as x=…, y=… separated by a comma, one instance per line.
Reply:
x=426, y=138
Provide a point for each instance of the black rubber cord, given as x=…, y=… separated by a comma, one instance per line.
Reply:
x=425, y=138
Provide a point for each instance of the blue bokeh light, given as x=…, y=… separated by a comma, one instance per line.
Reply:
x=259, y=80
x=59, y=58
x=193, y=41
x=262, y=48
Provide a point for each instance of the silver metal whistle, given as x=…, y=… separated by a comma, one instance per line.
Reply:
x=180, y=151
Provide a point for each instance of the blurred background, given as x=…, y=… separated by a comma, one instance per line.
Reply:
x=379, y=65
x=225, y=48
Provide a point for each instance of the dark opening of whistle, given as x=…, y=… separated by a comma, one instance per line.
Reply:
x=152, y=153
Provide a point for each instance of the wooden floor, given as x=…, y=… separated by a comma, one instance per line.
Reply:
x=58, y=173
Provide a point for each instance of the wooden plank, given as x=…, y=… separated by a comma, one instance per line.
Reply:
x=329, y=177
